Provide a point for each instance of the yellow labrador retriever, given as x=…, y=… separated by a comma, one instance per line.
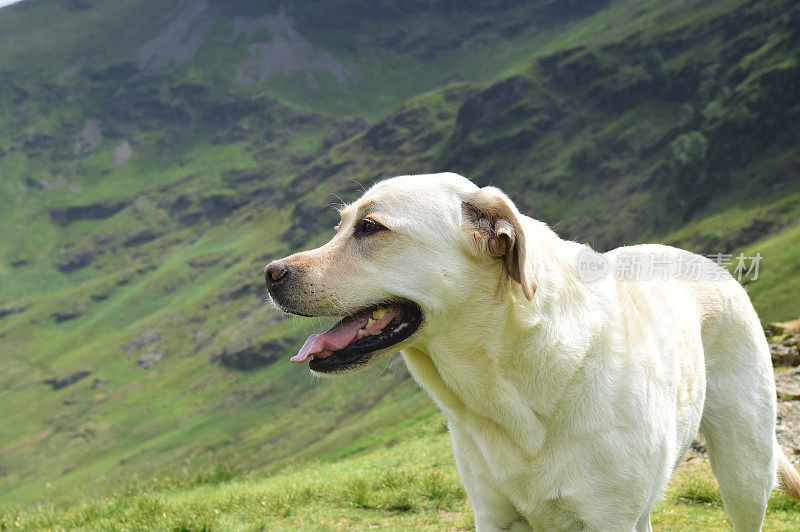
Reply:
x=571, y=398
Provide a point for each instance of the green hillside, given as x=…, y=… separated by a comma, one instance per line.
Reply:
x=408, y=486
x=154, y=156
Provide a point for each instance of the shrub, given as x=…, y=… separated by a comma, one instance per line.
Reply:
x=653, y=63
x=688, y=151
x=683, y=177
x=685, y=114
x=586, y=157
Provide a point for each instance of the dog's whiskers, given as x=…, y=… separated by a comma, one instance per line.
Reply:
x=359, y=184
x=341, y=201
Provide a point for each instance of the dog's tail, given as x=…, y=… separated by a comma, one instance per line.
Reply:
x=788, y=478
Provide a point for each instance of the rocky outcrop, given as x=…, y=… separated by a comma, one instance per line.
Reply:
x=250, y=357
x=787, y=384
x=141, y=237
x=150, y=358
x=345, y=129
x=102, y=294
x=149, y=342
x=286, y=53
x=784, y=342
x=93, y=211
x=89, y=138
x=783, y=328
x=69, y=314
x=180, y=39
x=508, y=118
x=62, y=382
x=12, y=308
x=148, y=338
x=785, y=351
x=122, y=153
x=246, y=288
x=76, y=261
x=216, y=206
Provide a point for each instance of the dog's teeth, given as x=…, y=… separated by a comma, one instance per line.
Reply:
x=370, y=322
x=379, y=313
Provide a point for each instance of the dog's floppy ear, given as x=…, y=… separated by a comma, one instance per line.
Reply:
x=493, y=224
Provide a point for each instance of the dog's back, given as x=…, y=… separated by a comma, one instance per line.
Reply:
x=738, y=420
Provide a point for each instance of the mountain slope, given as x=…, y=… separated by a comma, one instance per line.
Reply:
x=366, y=57
x=153, y=159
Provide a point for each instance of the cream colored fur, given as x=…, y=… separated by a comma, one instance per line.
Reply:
x=570, y=404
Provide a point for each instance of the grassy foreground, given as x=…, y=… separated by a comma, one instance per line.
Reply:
x=412, y=484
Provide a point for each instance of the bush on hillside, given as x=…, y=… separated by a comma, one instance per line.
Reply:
x=688, y=151
x=684, y=179
x=653, y=63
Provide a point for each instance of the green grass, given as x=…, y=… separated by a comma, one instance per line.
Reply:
x=412, y=484
x=775, y=292
x=772, y=223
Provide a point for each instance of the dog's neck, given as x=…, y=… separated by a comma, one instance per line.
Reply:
x=510, y=362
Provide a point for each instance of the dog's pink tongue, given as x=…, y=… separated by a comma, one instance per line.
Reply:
x=335, y=338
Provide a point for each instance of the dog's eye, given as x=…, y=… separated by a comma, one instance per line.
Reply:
x=368, y=226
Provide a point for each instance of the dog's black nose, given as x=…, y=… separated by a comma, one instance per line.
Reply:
x=274, y=272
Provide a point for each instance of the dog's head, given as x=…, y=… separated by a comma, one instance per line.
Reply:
x=407, y=255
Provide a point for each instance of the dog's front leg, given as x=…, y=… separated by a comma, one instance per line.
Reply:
x=493, y=511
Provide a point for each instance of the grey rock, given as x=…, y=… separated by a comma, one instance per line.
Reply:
x=150, y=358
x=137, y=344
x=784, y=350
x=62, y=382
x=12, y=308
x=69, y=314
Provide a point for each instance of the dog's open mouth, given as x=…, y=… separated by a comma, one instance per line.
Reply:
x=349, y=343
